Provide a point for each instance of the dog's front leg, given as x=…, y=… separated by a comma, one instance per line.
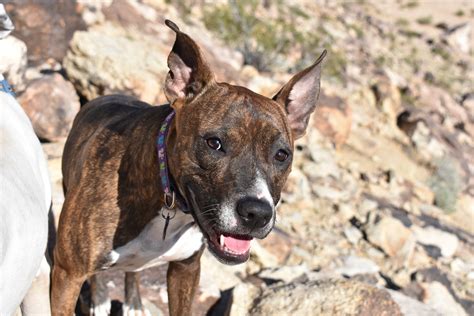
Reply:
x=133, y=302
x=183, y=280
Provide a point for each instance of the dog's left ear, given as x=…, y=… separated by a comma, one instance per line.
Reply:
x=189, y=72
x=299, y=96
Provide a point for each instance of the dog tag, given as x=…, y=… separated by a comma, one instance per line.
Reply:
x=167, y=218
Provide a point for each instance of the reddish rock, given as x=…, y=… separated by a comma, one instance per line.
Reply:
x=51, y=103
x=45, y=26
x=390, y=235
x=278, y=244
x=333, y=118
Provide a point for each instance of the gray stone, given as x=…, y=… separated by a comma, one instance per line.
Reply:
x=461, y=37
x=448, y=243
x=353, y=265
x=411, y=307
x=352, y=234
x=438, y=297
x=297, y=187
x=285, y=273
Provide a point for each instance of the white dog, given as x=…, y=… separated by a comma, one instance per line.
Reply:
x=25, y=199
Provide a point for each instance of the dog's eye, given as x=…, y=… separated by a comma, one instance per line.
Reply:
x=281, y=155
x=214, y=143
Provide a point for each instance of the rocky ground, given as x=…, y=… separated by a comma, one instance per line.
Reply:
x=377, y=217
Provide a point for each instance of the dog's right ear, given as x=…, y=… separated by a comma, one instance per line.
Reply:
x=189, y=72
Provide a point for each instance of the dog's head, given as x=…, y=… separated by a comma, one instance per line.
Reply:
x=232, y=148
x=6, y=25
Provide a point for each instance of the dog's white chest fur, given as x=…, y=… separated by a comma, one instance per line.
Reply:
x=183, y=239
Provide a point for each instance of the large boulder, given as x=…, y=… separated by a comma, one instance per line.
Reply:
x=110, y=59
x=51, y=103
x=329, y=297
x=45, y=26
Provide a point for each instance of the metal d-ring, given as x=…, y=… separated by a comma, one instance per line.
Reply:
x=168, y=210
x=170, y=204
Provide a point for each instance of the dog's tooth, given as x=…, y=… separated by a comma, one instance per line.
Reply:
x=221, y=240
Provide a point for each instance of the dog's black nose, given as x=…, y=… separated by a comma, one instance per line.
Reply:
x=254, y=213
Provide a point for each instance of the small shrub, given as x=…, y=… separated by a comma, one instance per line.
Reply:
x=459, y=13
x=425, y=20
x=402, y=22
x=260, y=41
x=411, y=4
x=266, y=43
x=441, y=51
x=446, y=183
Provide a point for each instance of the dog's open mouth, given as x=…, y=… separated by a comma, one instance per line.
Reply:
x=229, y=248
x=226, y=247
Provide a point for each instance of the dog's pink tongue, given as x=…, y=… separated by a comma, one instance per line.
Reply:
x=237, y=245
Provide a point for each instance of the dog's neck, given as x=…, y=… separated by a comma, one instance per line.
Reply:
x=140, y=189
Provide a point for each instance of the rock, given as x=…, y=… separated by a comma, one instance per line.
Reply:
x=446, y=242
x=51, y=103
x=352, y=234
x=13, y=61
x=330, y=192
x=390, y=235
x=45, y=26
x=243, y=296
x=278, y=244
x=333, y=118
x=388, y=98
x=297, y=187
x=219, y=275
x=438, y=297
x=286, y=273
x=368, y=205
x=109, y=59
x=412, y=307
x=460, y=37
x=422, y=192
x=322, y=168
x=261, y=256
x=329, y=297
x=428, y=146
x=353, y=265
x=346, y=212
x=438, y=103
x=459, y=267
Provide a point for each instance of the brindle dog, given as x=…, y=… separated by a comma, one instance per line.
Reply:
x=229, y=154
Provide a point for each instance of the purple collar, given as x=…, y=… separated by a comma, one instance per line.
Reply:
x=170, y=197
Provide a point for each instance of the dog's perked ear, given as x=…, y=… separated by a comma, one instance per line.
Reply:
x=189, y=72
x=299, y=96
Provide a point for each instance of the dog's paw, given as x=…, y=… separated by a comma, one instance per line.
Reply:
x=135, y=311
x=103, y=309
